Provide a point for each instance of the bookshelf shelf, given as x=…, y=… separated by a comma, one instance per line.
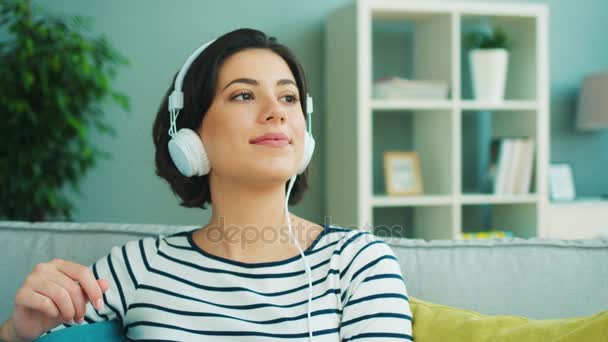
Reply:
x=498, y=199
x=394, y=105
x=511, y=105
x=409, y=201
x=421, y=40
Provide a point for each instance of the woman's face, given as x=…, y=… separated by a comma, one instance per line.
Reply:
x=256, y=93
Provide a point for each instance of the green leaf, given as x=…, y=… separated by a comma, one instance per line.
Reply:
x=122, y=100
x=76, y=124
x=498, y=39
x=28, y=80
x=105, y=128
x=55, y=63
x=29, y=46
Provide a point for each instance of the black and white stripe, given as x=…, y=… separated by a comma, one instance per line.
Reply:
x=169, y=289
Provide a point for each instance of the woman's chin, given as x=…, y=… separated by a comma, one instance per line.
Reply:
x=273, y=174
x=274, y=166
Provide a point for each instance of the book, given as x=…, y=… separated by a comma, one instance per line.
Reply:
x=528, y=166
x=514, y=166
x=503, y=167
x=511, y=164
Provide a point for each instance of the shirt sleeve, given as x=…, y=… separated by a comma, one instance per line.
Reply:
x=375, y=303
x=124, y=268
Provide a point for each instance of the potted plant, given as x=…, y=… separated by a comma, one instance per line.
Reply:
x=488, y=56
x=54, y=79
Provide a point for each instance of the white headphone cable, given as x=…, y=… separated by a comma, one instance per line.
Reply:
x=308, y=270
x=173, y=121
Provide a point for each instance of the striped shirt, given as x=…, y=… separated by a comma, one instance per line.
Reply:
x=167, y=288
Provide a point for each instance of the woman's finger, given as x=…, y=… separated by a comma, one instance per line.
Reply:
x=103, y=284
x=30, y=299
x=57, y=294
x=84, y=276
x=78, y=298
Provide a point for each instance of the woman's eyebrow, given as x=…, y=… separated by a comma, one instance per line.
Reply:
x=251, y=81
x=286, y=81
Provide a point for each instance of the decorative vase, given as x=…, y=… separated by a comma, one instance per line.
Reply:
x=489, y=68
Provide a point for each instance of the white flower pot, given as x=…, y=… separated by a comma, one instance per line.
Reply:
x=489, y=68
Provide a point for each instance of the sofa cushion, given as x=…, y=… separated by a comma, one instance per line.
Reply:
x=534, y=278
x=434, y=322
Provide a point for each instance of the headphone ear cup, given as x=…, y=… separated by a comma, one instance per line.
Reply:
x=188, y=153
x=309, y=148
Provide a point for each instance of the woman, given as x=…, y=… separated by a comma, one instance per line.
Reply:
x=254, y=272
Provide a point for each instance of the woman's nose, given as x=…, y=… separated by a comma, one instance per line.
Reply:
x=273, y=111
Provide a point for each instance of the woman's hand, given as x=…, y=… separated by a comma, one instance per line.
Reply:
x=55, y=292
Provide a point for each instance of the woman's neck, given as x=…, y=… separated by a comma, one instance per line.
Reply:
x=238, y=206
x=248, y=220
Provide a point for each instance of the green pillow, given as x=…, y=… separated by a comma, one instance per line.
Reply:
x=434, y=322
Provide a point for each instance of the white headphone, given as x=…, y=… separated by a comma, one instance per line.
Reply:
x=186, y=147
x=189, y=156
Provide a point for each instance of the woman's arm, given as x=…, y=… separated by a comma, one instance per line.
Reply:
x=375, y=302
x=52, y=293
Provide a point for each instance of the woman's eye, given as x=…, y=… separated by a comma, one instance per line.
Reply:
x=291, y=98
x=247, y=96
x=244, y=96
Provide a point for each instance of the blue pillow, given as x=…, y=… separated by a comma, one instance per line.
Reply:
x=102, y=331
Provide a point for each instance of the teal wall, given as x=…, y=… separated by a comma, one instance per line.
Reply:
x=578, y=46
x=158, y=35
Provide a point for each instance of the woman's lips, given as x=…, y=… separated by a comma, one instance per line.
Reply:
x=273, y=143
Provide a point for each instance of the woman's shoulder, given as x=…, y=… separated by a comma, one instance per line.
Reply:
x=148, y=247
x=363, y=256
x=354, y=237
x=350, y=243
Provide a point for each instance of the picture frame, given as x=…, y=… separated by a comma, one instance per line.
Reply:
x=402, y=173
x=561, y=183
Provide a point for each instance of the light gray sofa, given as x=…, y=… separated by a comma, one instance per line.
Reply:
x=534, y=278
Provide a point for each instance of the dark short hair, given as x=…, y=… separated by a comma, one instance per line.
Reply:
x=199, y=88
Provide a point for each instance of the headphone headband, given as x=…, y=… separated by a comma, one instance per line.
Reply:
x=176, y=99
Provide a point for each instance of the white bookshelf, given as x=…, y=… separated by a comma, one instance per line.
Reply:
x=423, y=40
